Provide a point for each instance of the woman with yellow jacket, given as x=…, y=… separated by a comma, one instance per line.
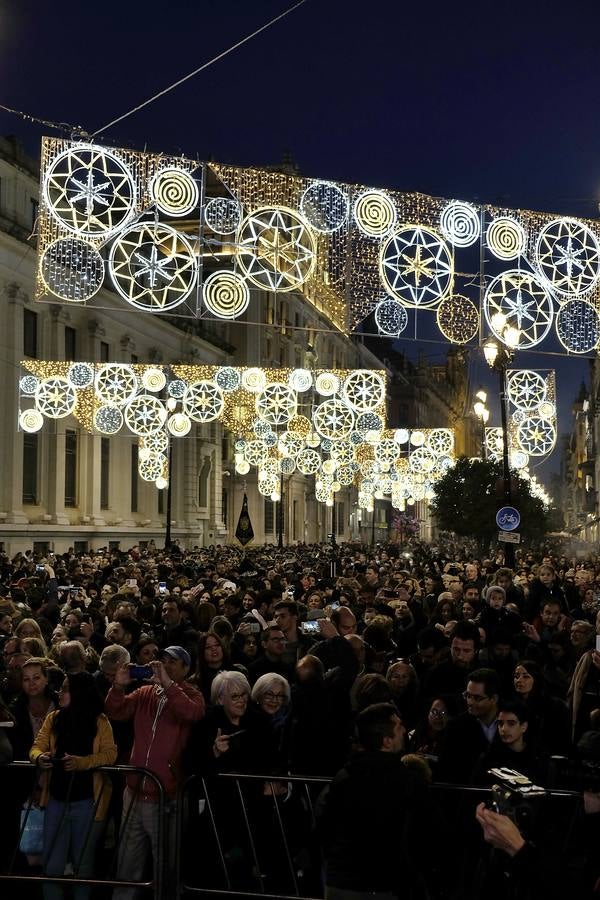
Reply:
x=74, y=740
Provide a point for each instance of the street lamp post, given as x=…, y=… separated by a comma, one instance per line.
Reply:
x=498, y=358
x=483, y=414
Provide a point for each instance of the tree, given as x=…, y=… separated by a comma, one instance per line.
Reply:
x=470, y=494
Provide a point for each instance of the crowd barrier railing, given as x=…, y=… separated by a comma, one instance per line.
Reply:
x=19, y=781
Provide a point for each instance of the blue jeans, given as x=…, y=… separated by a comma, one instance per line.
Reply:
x=70, y=835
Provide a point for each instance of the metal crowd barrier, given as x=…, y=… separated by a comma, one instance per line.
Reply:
x=155, y=884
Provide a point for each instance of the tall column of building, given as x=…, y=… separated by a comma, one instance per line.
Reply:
x=11, y=440
x=55, y=480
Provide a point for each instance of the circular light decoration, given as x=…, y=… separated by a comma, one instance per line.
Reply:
x=81, y=375
x=417, y=438
x=276, y=404
x=161, y=483
x=526, y=389
x=268, y=485
x=174, y=191
x=300, y=380
x=276, y=249
x=203, y=401
x=391, y=317
x=289, y=445
x=287, y=465
x=506, y=238
x=145, y=415
x=345, y=475
x=176, y=388
x=567, y=254
x=255, y=452
x=254, y=380
x=421, y=460
x=440, y=441
x=261, y=429
x=108, y=419
x=228, y=379
x=116, y=384
x=222, y=215
x=458, y=319
x=343, y=451
x=153, y=380
x=28, y=385
x=324, y=206
x=72, y=269
x=31, y=420
x=299, y=427
x=536, y=436
x=90, y=191
x=270, y=439
x=369, y=422
x=313, y=439
x=327, y=384
x=387, y=451
x=333, y=419
x=460, y=224
x=268, y=468
x=401, y=435
x=364, y=390
x=547, y=410
x=226, y=294
x=519, y=302
x=153, y=267
x=374, y=213
x=578, y=326
x=55, y=398
x=156, y=443
x=243, y=467
x=416, y=266
x=152, y=468
x=494, y=441
x=519, y=459
x=179, y=424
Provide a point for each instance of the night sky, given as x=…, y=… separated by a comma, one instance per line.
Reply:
x=469, y=100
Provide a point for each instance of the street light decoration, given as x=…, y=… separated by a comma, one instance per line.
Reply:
x=460, y=223
x=506, y=238
x=518, y=309
x=567, y=255
x=578, y=326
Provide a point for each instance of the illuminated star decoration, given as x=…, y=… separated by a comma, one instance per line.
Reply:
x=526, y=389
x=567, y=254
x=536, y=436
x=519, y=300
x=154, y=267
x=90, y=191
x=416, y=266
x=276, y=249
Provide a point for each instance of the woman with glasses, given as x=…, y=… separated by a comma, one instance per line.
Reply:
x=548, y=717
x=271, y=697
x=429, y=736
x=404, y=683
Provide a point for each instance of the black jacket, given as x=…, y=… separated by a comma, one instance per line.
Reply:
x=464, y=747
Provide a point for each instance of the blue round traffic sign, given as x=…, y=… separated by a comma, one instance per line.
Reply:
x=508, y=518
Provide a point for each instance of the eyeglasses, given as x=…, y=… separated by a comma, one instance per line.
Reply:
x=277, y=640
x=476, y=698
x=236, y=697
x=438, y=713
x=270, y=695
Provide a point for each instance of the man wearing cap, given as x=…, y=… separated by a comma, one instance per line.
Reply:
x=162, y=712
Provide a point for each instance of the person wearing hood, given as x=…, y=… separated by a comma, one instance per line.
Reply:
x=495, y=613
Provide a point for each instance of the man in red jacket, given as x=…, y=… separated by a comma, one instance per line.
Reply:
x=162, y=714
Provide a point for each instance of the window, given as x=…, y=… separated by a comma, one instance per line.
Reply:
x=80, y=546
x=224, y=506
x=70, y=468
x=41, y=548
x=161, y=501
x=114, y=545
x=104, y=473
x=30, y=468
x=269, y=516
x=203, y=486
x=294, y=520
x=134, y=478
x=30, y=333
x=134, y=358
x=34, y=211
x=104, y=352
x=70, y=343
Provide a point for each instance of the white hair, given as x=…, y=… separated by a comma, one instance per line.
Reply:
x=271, y=681
x=225, y=682
x=114, y=655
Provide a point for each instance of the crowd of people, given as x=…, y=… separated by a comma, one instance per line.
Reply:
x=292, y=662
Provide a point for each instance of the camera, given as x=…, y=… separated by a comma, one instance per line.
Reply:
x=40, y=569
x=312, y=627
x=140, y=673
x=517, y=797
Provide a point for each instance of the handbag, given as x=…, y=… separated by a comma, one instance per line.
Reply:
x=32, y=831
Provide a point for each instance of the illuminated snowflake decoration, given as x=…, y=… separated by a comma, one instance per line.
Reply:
x=324, y=206
x=459, y=223
x=333, y=419
x=153, y=267
x=421, y=460
x=203, y=401
x=155, y=443
x=276, y=404
x=145, y=415
x=364, y=390
x=416, y=266
x=518, y=301
x=391, y=317
x=526, y=389
x=276, y=249
x=222, y=215
x=55, y=398
x=90, y=191
x=578, y=326
x=116, y=384
x=440, y=441
x=176, y=388
x=300, y=380
x=536, y=436
x=567, y=254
